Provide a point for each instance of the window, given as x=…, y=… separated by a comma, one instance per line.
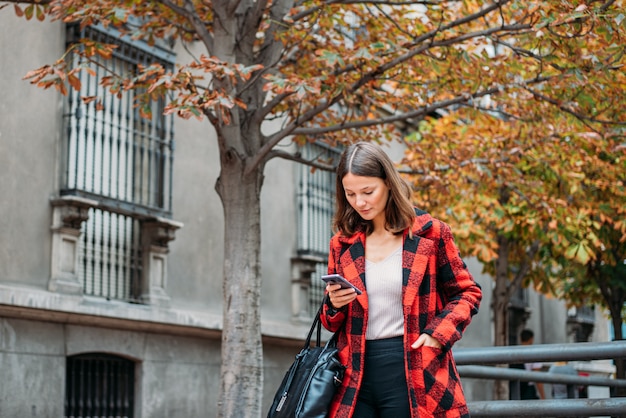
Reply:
x=316, y=197
x=114, y=154
x=109, y=258
x=119, y=160
x=580, y=323
x=99, y=385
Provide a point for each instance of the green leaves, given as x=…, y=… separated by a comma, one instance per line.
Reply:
x=579, y=252
x=333, y=59
x=34, y=9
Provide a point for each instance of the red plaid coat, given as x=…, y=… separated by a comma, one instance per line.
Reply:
x=439, y=298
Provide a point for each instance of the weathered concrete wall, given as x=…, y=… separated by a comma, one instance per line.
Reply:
x=30, y=128
x=32, y=361
x=176, y=376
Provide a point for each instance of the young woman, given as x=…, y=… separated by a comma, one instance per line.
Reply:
x=418, y=297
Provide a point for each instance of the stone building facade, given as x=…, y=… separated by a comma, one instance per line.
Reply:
x=114, y=296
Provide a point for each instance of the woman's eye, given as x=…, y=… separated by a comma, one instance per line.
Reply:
x=369, y=193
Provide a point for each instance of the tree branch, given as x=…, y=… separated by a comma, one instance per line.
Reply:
x=308, y=12
x=416, y=114
x=309, y=115
x=577, y=115
x=188, y=11
x=524, y=268
x=293, y=127
x=40, y=2
x=299, y=159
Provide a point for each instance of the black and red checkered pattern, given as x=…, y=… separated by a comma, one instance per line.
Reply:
x=439, y=298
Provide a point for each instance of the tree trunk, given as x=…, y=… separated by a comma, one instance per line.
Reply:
x=500, y=307
x=241, y=388
x=620, y=372
x=614, y=300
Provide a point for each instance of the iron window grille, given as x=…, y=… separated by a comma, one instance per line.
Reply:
x=99, y=385
x=118, y=158
x=315, y=198
x=110, y=259
x=114, y=155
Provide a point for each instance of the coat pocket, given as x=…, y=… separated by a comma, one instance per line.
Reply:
x=441, y=389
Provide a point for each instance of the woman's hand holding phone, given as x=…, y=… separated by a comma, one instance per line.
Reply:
x=340, y=297
x=340, y=291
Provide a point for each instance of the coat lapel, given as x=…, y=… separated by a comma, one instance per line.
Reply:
x=416, y=254
x=352, y=262
x=416, y=251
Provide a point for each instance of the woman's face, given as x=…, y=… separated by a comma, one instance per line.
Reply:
x=367, y=195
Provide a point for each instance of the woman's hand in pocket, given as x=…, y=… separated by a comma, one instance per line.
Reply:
x=426, y=340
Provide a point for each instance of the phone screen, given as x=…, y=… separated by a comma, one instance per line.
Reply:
x=337, y=279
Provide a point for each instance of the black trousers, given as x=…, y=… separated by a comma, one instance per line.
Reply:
x=383, y=392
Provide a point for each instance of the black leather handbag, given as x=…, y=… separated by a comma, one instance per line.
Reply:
x=310, y=383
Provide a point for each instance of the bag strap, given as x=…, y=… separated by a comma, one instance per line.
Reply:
x=317, y=325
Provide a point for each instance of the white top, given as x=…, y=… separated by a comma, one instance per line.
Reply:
x=530, y=367
x=384, y=297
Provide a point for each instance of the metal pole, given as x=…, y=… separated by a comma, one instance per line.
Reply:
x=540, y=353
x=548, y=408
x=502, y=373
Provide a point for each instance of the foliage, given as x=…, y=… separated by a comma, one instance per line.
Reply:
x=341, y=64
x=527, y=180
x=540, y=165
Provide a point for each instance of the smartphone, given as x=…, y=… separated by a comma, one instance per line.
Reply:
x=337, y=279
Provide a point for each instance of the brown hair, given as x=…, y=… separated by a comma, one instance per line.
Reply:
x=369, y=160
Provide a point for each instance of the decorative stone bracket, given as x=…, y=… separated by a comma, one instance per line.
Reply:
x=580, y=324
x=302, y=268
x=156, y=233
x=68, y=214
